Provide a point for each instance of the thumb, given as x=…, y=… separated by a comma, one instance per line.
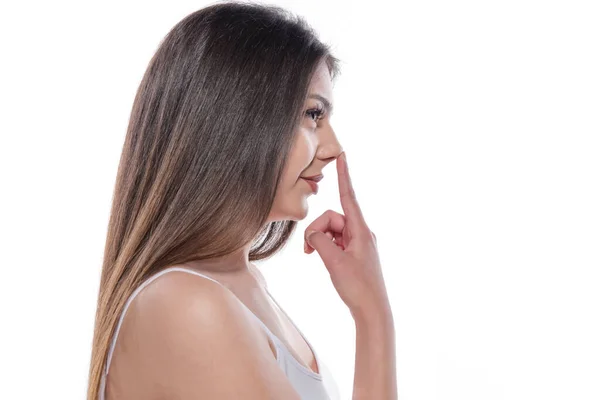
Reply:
x=329, y=251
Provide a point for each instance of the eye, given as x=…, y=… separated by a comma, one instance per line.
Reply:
x=317, y=111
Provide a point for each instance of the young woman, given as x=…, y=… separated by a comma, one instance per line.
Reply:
x=230, y=121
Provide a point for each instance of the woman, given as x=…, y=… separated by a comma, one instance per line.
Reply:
x=231, y=117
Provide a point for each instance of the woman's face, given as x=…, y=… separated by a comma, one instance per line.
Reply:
x=314, y=147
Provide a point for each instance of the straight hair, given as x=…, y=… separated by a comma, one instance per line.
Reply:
x=211, y=125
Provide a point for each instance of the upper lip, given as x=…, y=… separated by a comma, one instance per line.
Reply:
x=315, y=178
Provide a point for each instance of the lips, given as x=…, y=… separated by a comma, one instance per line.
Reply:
x=315, y=178
x=313, y=185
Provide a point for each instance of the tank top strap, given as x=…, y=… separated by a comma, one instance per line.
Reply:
x=244, y=306
x=157, y=275
x=139, y=289
x=130, y=300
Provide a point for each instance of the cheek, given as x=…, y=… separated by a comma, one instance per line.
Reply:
x=299, y=159
x=304, y=150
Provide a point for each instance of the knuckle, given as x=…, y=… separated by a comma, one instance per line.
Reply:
x=365, y=234
x=352, y=193
x=330, y=213
x=349, y=194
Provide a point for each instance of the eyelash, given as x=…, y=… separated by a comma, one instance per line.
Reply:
x=319, y=111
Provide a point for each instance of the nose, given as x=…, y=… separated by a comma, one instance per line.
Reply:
x=329, y=148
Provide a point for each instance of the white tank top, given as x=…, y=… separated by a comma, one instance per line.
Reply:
x=307, y=383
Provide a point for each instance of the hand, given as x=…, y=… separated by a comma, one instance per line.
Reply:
x=348, y=249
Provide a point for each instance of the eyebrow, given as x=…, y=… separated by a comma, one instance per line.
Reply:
x=326, y=102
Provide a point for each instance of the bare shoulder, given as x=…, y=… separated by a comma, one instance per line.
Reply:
x=194, y=339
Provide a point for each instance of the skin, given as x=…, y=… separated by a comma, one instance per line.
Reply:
x=187, y=338
x=315, y=146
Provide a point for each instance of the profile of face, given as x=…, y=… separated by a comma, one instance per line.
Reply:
x=315, y=146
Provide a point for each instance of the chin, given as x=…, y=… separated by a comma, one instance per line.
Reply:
x=298, y=216
x=292, y=207
x=296, y=213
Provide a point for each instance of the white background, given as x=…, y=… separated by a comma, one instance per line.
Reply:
x=472, y=130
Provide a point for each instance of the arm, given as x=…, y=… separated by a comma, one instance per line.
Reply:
x=348, y=249
x=375, y=360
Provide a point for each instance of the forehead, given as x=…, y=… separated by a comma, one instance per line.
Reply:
x=321, y=82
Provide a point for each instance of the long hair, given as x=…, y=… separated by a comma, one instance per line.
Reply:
x=211, y=126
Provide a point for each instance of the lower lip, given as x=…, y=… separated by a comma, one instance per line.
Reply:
x=312, y=184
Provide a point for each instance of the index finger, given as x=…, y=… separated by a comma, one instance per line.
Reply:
x=352, y=211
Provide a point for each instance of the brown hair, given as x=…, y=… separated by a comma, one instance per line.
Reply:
x=210, y=128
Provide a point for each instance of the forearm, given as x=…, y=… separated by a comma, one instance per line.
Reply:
x=375, y=361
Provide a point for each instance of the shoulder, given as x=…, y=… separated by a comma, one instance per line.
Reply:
x=180, y=292
x=179, y=302
x=194, y=338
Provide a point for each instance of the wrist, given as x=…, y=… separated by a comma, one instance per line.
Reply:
x=375, y=317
